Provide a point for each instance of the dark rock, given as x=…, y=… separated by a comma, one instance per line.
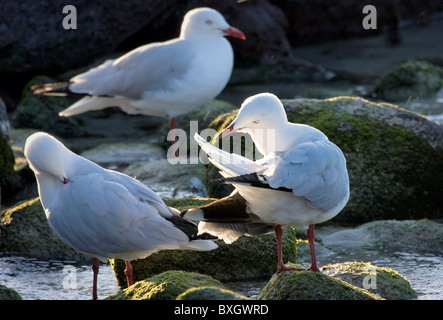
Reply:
x=34, y=38
x=408, y=80
x=315, y=21
x=8, y=293
x=41, y=112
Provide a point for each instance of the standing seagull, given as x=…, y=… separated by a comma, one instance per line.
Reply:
x=161, y=79
x=103, y=213
x=302, y=179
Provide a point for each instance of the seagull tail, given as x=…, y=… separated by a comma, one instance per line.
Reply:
x=226, y=218
x=53, y=89
x=88, y=103
x=200, y=245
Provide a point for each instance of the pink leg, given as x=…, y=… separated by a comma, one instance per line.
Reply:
x=281, y=266
x=128, y=273
x=311, y=246
x=94, y=283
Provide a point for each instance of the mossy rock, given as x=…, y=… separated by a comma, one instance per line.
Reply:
x=210, y=293
x=7, y=159
x=245, y=259
x=394, y=157
x=24, y=229
x=165, y=286
x=8, y=293
x=308, y=285
x=410, y=79
x=41, y=112
x=384, y=282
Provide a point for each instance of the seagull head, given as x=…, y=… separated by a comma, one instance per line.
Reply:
x=46, y=155
x=207, y=21
x=262, y=111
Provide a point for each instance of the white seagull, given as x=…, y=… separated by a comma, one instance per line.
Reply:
x=165, y=79
x=302, y=179
x=103, y=213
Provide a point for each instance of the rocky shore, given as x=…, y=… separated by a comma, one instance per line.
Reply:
x=394, y=157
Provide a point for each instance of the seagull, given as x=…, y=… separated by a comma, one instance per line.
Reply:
x=165, y=79
x=104, y=213
x=301, y=180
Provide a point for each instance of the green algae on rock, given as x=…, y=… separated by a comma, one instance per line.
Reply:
x=165, y=286
x=245, y=259
x=8, y=293
x=25, y=230
x=308, y=285
x=7, y=159
x=394, y=156
x=384, y=282
x=408, y=80
x=210, y=293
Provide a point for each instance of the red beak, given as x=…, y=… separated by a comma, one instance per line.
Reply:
x=234, y=32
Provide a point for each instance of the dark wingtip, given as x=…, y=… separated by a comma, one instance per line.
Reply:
x=52, y=89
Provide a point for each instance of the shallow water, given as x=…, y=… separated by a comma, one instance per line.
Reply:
x=69, y=280
x=55, y=280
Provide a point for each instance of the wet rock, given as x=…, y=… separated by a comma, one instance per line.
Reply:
x=25, y=230
x=410, y=79
x=422, y=235
x=34, y=38
x=170, y=181
x=8, y=293
x=308, y=285
x=6, y=157
x=383, y=282
x=165, y=286
x=20, y=184
x=210, y=293
x=41, y=112
x=4, y=121
x=394, y=156
x=112, y=154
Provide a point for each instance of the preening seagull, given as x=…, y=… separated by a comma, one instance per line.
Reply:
x=103, y=213
x=301, y=180
x=162, y=79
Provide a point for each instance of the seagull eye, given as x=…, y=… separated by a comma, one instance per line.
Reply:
x=208, y=22
x=255, y=121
